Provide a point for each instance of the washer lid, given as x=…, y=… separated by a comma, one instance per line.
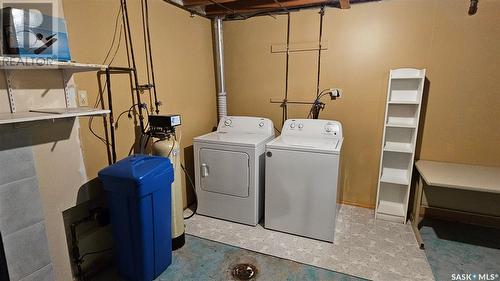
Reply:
x=307, y=144
x=240, y=139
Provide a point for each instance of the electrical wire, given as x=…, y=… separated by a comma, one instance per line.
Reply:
x=94, y=253
x=91, y=119
x=194, y=193
x=118, y=46
x=120, y=115
x=127, y=111
x=99, y=96
x=120, y=10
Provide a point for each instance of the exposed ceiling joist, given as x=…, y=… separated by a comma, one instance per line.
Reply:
x=344, y=4
x=191, y=3
x=253, y=6
x=242, y=9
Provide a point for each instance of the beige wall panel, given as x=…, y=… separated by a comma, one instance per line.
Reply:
x=259, y=75
x=460, y=53
x=183, y=61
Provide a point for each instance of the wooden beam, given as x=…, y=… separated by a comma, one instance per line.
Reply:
x=193, y=3
x=249, y=6
x=344, y=4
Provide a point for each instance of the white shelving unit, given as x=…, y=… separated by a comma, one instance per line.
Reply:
x=67, y=69
x=10, y=118
x=404, y=98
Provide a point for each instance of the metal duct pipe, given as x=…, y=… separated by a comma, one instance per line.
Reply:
x=219, y=60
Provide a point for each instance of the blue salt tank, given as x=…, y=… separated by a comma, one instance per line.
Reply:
x=139, y=196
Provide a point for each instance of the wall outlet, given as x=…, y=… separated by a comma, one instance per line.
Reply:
x=83, y=99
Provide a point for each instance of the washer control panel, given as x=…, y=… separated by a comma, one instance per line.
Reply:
x=312, y=127
x=244, y=124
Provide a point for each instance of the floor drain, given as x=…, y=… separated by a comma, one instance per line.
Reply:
x=244, y=271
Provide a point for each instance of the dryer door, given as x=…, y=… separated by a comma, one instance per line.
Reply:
x=226, y=172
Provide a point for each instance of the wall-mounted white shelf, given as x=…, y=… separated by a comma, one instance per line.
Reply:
x=13, y=64
x=19, y=117
x=404, y=98
x=18, y=63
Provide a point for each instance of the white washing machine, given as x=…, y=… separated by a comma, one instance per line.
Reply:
x=302, y=174
x=229, y=168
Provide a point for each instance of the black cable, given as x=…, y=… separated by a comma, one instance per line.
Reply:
x=118, y=46
x=276, y=129
x=144, y=147
x=194, y=193
x=171, y=149
x=131, y=150
x=140, y=105
x=96, y=252
x=91, y=119
x=114, y=33
x=99, y=96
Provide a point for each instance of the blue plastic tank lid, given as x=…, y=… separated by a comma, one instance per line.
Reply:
x=136, y=167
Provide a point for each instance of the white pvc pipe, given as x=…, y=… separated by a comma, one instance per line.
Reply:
x=221, y=83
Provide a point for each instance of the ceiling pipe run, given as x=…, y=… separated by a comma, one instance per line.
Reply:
x=219, y=60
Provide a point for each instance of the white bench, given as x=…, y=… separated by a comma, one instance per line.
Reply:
x=454, y=176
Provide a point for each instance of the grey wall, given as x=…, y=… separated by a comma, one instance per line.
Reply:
x=22, y=224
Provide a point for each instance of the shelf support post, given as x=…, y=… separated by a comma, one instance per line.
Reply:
x=69, y=89
x=10, y=90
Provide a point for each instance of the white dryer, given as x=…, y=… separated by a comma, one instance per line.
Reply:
x=229, y=169
x=302, y=174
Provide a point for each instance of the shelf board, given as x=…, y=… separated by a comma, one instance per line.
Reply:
x=398, y=147
x=395, y=176
x=23, y=63
x=407, y=77
x=401, y=125
x=403, y=102
x=391, y=208
x=10, y=118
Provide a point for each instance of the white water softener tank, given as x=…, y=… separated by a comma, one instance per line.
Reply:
x=166, y=143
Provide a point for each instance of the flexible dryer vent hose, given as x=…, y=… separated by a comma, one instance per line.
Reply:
x=222, y=103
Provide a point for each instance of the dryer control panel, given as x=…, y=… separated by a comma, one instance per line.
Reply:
x=245, y=124
x=312, y=128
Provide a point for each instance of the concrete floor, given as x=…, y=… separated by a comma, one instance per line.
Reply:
x=455, y=248
x=202, y=259
x=363, y=247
